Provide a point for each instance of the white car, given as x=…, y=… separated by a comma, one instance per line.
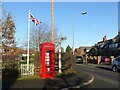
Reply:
x=116, y=64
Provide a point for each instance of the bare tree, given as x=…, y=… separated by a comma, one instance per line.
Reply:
x=40, y=34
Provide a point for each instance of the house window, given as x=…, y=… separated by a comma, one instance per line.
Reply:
x=99, y=46
x=118, y=44
x=106, y=46
x=110, y=46
x=113, y=45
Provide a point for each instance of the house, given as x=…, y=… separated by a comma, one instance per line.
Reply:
x=85, y=48
x=109, y=47
x=101, y=43
x=24, y=53
x=82, y=50
x=79, y=52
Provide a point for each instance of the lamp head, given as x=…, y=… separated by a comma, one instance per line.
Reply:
x=83, y=13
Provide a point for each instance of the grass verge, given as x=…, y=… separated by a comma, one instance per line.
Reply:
x=28, y=77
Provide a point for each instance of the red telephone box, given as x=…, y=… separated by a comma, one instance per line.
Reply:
x=47, y=60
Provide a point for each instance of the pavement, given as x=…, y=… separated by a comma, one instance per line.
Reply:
x=78, y=80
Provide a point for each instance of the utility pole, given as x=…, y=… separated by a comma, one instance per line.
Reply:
x=53, y=21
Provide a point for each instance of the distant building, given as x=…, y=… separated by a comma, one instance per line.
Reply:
x=81, y=50
x=78, y=52
x=85, y=48
x=24, y=53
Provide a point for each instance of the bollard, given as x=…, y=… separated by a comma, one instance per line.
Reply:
x=86, y=58
x=112, y=58
x=99, y=59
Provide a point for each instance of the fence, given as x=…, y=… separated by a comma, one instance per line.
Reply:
x=23, y=69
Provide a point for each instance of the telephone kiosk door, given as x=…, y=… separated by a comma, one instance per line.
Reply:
x=47, y=60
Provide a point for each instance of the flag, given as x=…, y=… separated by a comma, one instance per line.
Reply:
x=35, y=21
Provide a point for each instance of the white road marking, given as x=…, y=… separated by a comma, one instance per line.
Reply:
x=104, y=78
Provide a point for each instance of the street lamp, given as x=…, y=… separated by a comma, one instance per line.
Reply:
x=83, y=13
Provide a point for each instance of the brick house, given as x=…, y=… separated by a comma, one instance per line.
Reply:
x=81, y=51
x=109, y=47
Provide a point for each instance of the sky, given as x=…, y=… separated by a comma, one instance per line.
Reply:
x=60, y=0
x=101, y=19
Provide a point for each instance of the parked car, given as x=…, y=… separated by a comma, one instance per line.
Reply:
x=116, y=64
x=79, y=59
x=105, y=60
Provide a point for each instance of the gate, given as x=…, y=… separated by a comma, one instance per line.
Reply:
x=23, y=69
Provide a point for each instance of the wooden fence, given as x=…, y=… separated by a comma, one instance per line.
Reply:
x=23, y=69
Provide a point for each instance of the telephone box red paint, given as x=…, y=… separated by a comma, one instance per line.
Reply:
x=47, y=60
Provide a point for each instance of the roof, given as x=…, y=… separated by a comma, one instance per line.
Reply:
x=117, y=38
x=79, y=51
x=46, y=44
x=20, y=50
x=85, y=47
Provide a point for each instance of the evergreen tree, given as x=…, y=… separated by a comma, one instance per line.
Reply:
x=8, y=32
x=68, y=49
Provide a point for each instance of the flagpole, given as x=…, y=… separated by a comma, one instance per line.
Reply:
x=28, y=41
x=53, y=21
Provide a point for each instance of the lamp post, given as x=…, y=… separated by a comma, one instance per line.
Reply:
x=83, y=13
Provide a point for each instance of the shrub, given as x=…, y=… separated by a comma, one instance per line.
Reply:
x=69, y=61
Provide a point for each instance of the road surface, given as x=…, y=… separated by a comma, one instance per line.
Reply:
x=104, y=77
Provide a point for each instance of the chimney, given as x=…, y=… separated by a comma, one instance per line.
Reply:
x=105, y=38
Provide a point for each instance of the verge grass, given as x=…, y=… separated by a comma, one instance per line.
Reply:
x=29, y=77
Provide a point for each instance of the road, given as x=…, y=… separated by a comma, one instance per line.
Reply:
x=104, y=77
